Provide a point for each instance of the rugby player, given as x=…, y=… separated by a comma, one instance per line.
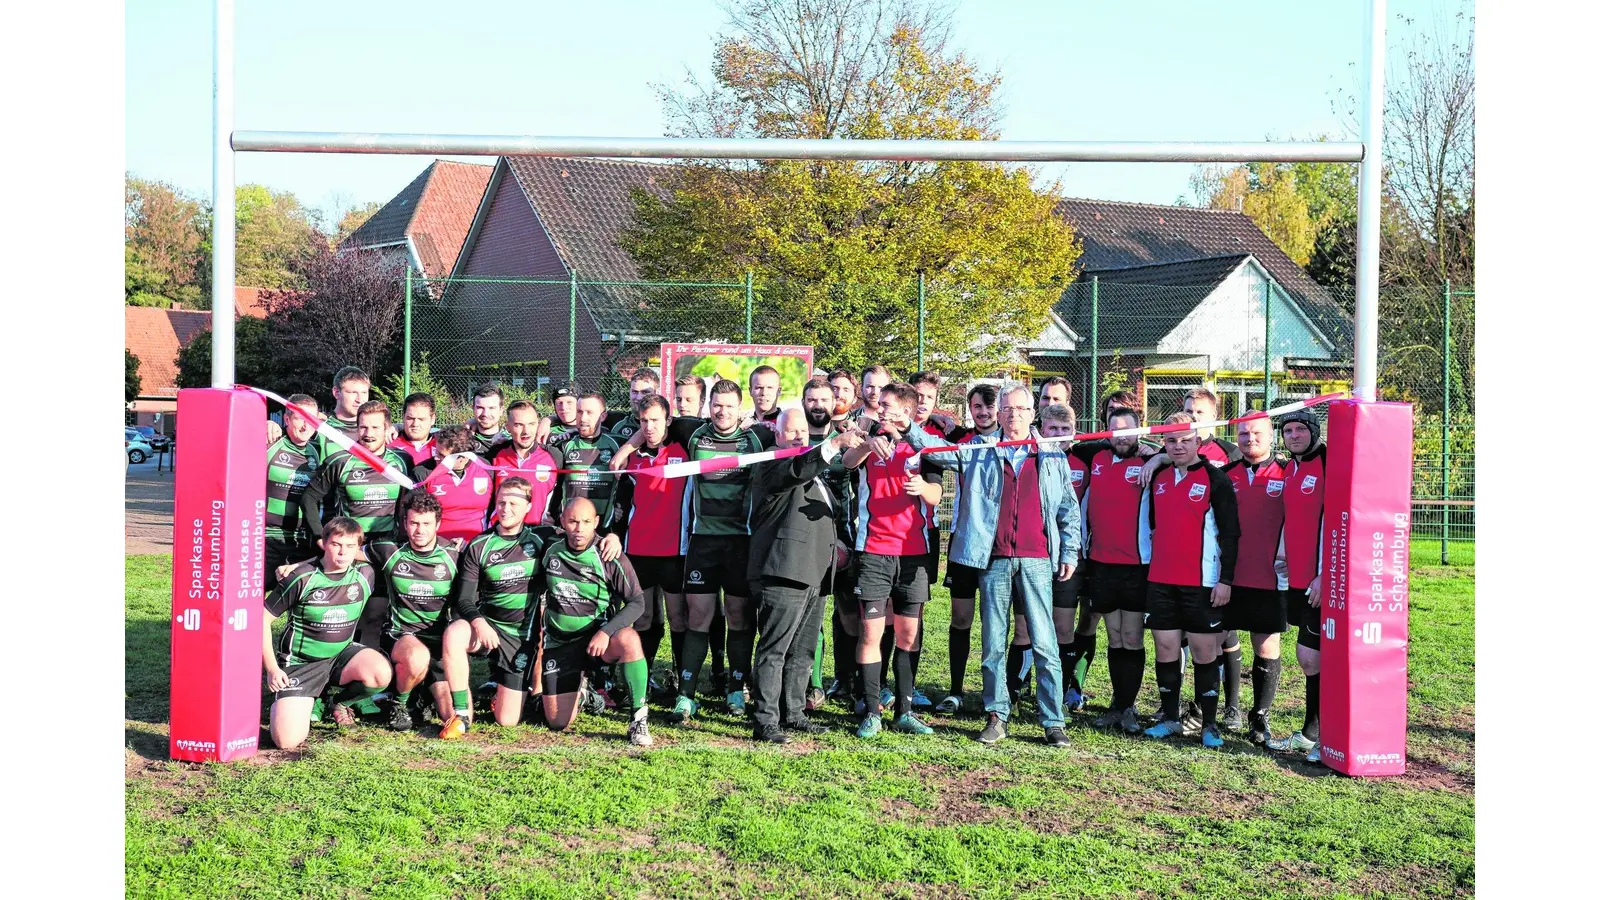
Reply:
x=323, y=600
x=416, y=429
x=1202, y=404
x=587, y=447
x=1261, y=582
x=896, y=558
x=1302, y=553
x=488, y=405
x=351, y=388
x=644, y=382
x=523, y=456
x=873, y=380
x=688, y=401
x=687, y=393
x=716, y=541
x=291, y=464
x=847, y=390
x=765, y=388
x=463, y=488
x=497, y=604
x=648, y=529
x=420, y=573
x=1114, y=508
x=1191, y=539
x=588, y=613
x=1054, y=391
x=983, y=403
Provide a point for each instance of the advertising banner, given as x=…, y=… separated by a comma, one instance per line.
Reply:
x=735, y=362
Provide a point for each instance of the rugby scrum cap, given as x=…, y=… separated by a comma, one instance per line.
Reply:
x=1307, y=418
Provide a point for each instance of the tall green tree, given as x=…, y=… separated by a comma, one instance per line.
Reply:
x=838, y=246
x=354, y=218
x=131, y=383
x=274, y=234
x=162, y=244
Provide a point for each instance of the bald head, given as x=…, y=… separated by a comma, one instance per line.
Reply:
x=793, y=429
x=579, y=521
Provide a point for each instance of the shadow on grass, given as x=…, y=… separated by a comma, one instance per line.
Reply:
x=146, y=744
x=148, y=659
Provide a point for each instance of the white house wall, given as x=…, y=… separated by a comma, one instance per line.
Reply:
x=1228, y=326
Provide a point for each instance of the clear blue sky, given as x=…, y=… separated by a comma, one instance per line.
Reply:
x=1073, y=70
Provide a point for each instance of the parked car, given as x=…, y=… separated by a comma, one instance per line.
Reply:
x=134, y=444
x=158, y=442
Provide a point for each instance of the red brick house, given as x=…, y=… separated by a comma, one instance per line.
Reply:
x=427, y=222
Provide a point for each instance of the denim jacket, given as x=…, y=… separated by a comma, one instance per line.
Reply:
x=978, y=501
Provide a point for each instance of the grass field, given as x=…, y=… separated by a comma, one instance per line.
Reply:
x=522, y=812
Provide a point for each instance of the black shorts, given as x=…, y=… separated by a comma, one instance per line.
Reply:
x=433, y=640
x=1172, y=607
x=1309, y=619
x=510, y=662
x=1064, y=594
x=1119, y=587
x=310, y=679
x=717, y=563
x=564, y=664
x=902, y=579
x=962, y=581
x=664, y=572
x=277, y=554
x=1257, y=610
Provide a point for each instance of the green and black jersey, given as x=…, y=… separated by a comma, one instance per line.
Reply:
x=501, y=578
x=358, y=491
x=622, y=425
x=586, y=594
x=289, y=469
x=717, y=503
x=840, y=481
x=327, y=448
x=323, y=610
x=574, y=451
x=484, y=444
x=420, y=584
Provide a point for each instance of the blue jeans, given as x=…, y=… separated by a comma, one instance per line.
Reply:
x=1028, y=580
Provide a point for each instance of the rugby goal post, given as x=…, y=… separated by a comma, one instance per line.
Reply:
x=219, y=481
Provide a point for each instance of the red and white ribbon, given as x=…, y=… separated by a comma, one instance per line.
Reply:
x=338, y=437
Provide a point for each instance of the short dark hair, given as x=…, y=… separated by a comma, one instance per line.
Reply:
x=724, y=386
x=847, y=376
x=876, y=370
x=374, y=406
x=926, y=377
x=520, y=404
x=338, y=526
x=819, y=384
x=349, y=373
x=1124, y=399
x=593, y=395
x=305, y=402
x=655, y=399
x=454, y=439
x=986, y=391
x=1052, y=381
x=1119, y=411
x=905, y=393
x=762, y=370
x=419, y=398
x=489, y=390
x=646, y=373
x=422, y=501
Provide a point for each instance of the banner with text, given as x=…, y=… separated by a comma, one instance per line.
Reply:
x=735, y=362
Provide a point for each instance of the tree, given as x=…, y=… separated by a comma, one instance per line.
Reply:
x=162, y=241
x=348, y=312
x=353, y=219
x=260, y=357
x=273, y=235
x=131, y=383
x=838, y=245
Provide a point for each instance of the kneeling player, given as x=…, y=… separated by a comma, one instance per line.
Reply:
x=323, y=600
x=420, y=574
x=590, y=607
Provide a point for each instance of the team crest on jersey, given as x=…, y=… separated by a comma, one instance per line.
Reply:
x=555, y=564
x=480, y=485
x=1274, y=487
x=605, y=457
x=1077, y=476
x=1196, y=491
x=1309, y=485
x=675, y=459
x=353, y=592
x=541, y=474
x=440, y=571
x=1131, y=474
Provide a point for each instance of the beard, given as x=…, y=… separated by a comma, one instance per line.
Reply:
x=817, y=418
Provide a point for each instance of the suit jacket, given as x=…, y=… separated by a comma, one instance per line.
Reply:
x=792, y=530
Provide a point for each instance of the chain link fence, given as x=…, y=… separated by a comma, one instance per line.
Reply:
x=1251, y=341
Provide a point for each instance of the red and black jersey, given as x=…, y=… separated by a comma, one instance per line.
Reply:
x=538, y=467
x=466, y=499
x=1080, y=476
x=1219, y=452
x=1302, y=517
x=417, y=455
x=891, y=522
x=1191, y=527
x=649, y=519
x=1259, y=492
x=1111, y=504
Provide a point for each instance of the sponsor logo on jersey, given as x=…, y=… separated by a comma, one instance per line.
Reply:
x=335, y=616
x=1131, y=474
x=566, y=590
x=1197, y=491
x=420, y=589
x=1309, y=485
x=1161, y=487
x=359, y=475
x=1274, y=487
x=404, y=568
x=319, y=595
x=498, y=555
x=694, y=578
x=1095, y=470
x=574, y=456
x=675, y=459
x=551, y=664
x=375, y=492
x=514, y=570
x=480, y=485
x=285, y=460
x=437, y=490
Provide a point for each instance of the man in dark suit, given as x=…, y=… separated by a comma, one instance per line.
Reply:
x=792, y=545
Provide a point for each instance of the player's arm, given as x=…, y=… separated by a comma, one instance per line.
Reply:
x=325, y=482
x=624, y=583
x=1225, y=513
x=466, y=592
x=1147, y=523
x=276, y=604
x=1068, y=522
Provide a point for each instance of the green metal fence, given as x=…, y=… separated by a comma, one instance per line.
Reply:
x=1249, y=339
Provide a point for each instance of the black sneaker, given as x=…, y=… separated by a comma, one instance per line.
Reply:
x=805, y=726
x=994, y=732
x=1056, y=736
x=1232, y=719
x=772, y=734
x=719, y=684
x=399, y=717
x=1260, y=731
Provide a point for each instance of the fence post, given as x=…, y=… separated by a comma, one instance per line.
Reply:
x=1444, y=483
x=405, y=376
x=749, y=306
x=1094, y=351
x=1266, y=351
x=572, y=326
x=922, y=318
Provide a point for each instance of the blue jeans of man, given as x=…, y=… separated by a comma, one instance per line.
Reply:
x=1027, y=583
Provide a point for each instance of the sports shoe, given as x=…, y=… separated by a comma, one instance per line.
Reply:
x=591, y=700
x=487, y=689
x=1108, y=719
x=1074, y=700
x=860, y=707
x=805, y=726
x=455, y=728
x=1191, y=720
x=771, y=734
x=316, y=710
x=683, y=710
x=1211, y=737
x=919, y=700
x=1056, y=736
x=834, y=689
x=1130, y=721
x=343, y=716
x=1260, y=731
x=815, y=699
x=950, y=705
x=1294, y=743
x=910, y=724
x=885, y=698
x=870, y=726
x=399, y=717
x=994, y=732
x=736, y=703
x=719, y=684
x=1314, y=755
x=1164, y=729
x=605, y=693
x=1233, y=719
x=639, y=733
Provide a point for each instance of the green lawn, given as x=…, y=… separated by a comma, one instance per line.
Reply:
x=522, y=812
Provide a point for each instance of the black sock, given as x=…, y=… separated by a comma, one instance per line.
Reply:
x=1264, y=684
x=1169, y=682
x=678, y=637
x=1117, y=662
x=1069, y=656
x=1014, y=666
x=694, y=656
x=886, y=646
x=844, y=655
x=719, y=642
x=916, y=666
x=651, y=639
x=871, y=684
x=903, y=680
x=741, y=646
x=1086, y=644
x=1205, y=692
x=960, y=650
x=1312, y=729
x=1232, y=661
x=1135, y=662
